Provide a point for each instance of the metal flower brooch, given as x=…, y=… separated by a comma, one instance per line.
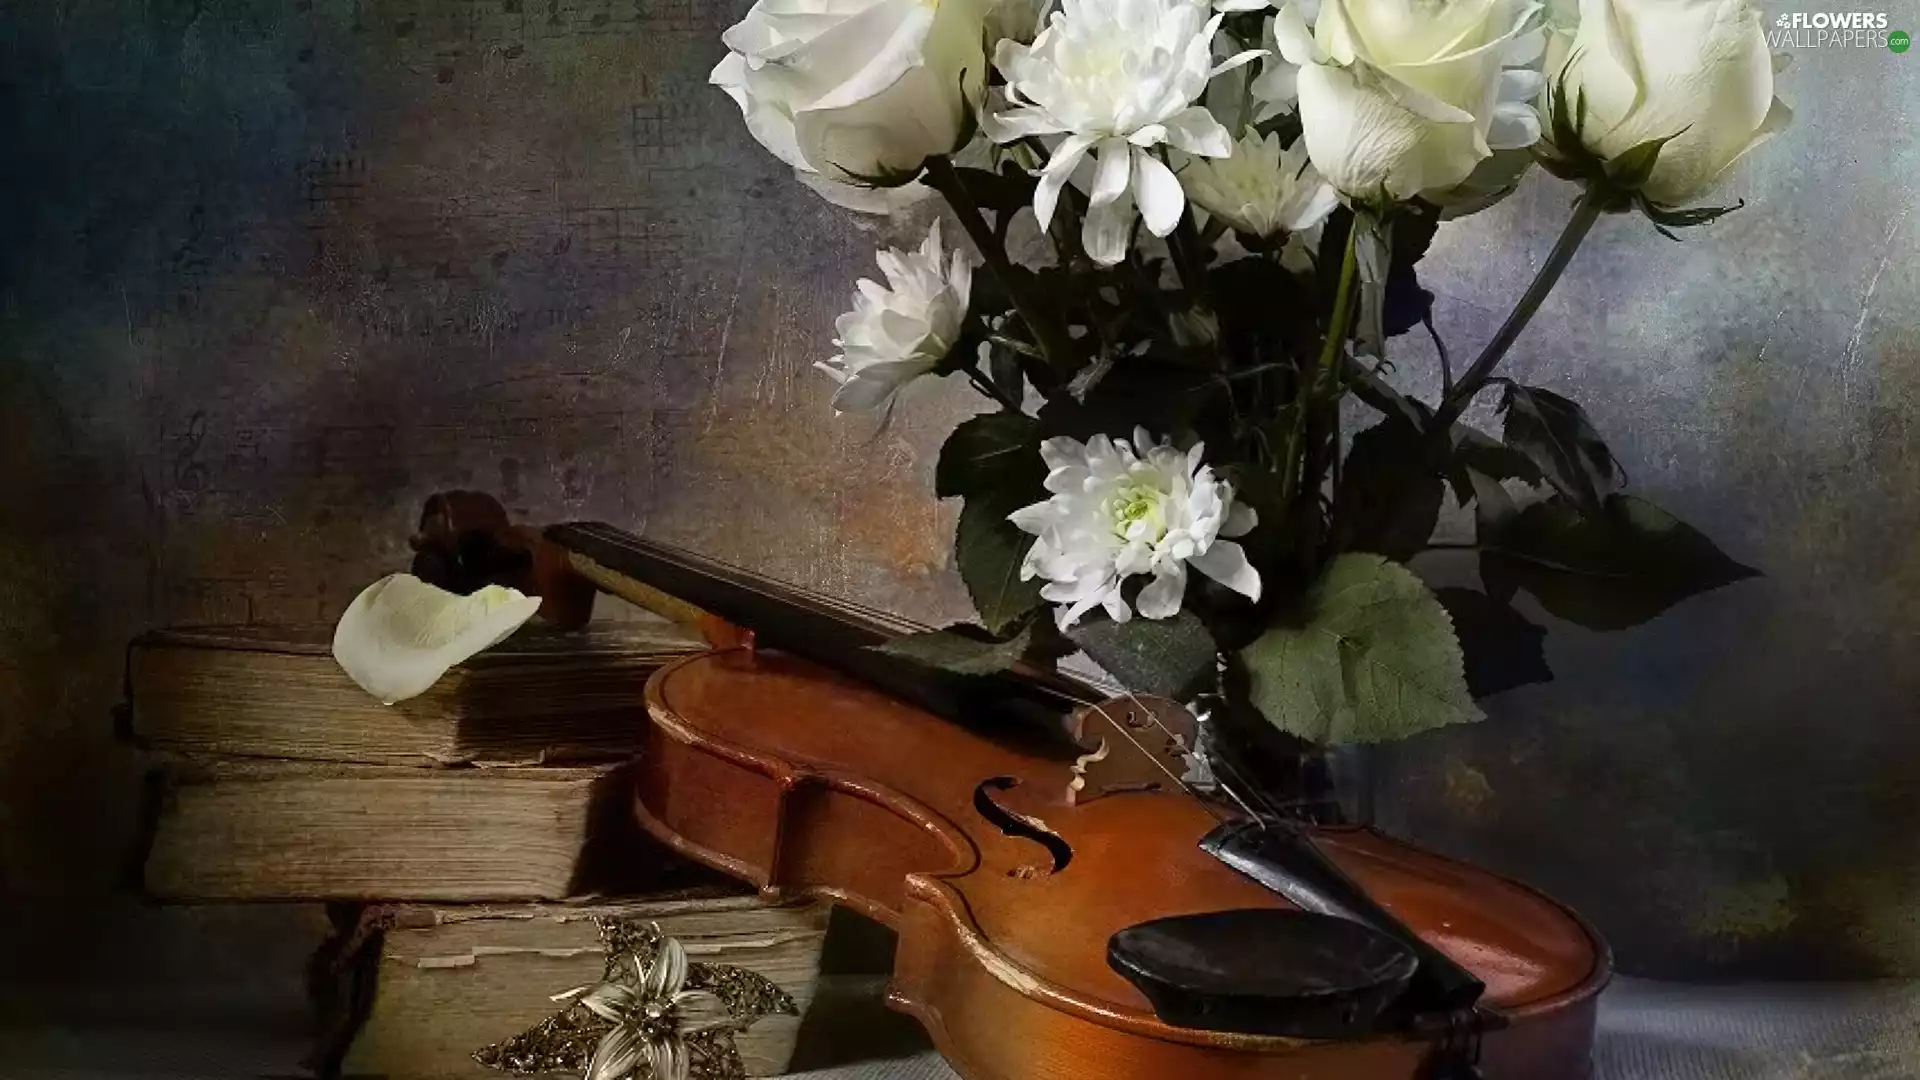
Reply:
x=652, y=1016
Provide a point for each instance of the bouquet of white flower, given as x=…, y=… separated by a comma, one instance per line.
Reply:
x=1164, y=482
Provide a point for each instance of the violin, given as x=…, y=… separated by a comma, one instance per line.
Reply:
x=1068, y=904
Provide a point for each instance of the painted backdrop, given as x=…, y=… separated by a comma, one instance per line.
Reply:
x=273, y=270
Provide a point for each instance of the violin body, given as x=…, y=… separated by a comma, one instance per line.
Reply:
x=797, y=780
x=938, y=807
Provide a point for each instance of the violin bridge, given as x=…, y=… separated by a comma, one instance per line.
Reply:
x=1133, y=744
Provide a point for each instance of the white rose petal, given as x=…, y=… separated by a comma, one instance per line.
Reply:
x=401, y=634
x=1695, y=70
x=901, y=331
x=1399, y=97
x=848, y=92
x=1120, y=509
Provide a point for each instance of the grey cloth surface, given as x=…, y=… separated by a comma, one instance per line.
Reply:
x=1660, y=1031
x=1648, y=1031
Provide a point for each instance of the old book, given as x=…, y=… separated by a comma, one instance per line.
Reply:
x=451, y=980
x=542, y=696
x=248, y=829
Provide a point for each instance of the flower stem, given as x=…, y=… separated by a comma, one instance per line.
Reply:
x=1054, y=343
x=1184, y=245
x=1585, y=213
x=1309, y=385
x=986, y=386
x=1012, y=345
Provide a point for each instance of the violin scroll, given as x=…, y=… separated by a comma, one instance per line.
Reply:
x=465, y=542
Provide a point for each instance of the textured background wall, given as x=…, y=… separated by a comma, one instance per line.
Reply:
x=272, y=270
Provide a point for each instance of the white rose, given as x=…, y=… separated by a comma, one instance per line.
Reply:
x=1261, y=189
x=1398, y=97
x=849, y=92
x=896, y=334
x=1695, y=70
x=1120, y=509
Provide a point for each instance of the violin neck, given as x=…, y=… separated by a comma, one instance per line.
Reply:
x=831, y=632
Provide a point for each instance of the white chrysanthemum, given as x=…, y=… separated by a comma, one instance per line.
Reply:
x=1262, y=188
x=401, y=634
x=898, y=333
x=1115, y=78
x=1119, y=509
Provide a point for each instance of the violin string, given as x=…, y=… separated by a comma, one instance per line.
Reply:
x=887, y=621
x=1224, y=785
x=1154, y=758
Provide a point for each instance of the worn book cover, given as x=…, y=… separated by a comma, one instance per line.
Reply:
x=543, y=696
x=449, y=982
x=248, y=829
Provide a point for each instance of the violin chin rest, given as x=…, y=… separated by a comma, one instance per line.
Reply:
x=1264, y=971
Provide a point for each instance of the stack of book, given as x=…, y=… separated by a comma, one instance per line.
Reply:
x=471, y=842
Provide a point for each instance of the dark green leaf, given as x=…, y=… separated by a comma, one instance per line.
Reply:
x=1616, y=569
x=1666, y=218
x=1375, y=391
x=1267, y=313
x=1388, y=499
x=1476, y=450
x=1170, y=657
x=1492, y=180
x=1503, y=648
x=1493, y=511
x=1557, y=435
x=989, y=551
x=1634, y=167
x=964, y=649
x=1166, y=399
x=965, y=352
x=1407, y=303
x=1003, y=367
x=1003, y=192
x=991, y=451
x=1558, y=166
x=1369, y=656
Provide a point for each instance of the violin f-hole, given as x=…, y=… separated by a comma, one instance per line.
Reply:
x=1020, y=825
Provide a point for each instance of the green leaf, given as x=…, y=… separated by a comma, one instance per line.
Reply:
x=989, y=451
x=1475, y=450
x=1139, y=390
x=1609, y=571
x=1388, y=499
x=1170, y=657
x=961, y=648
x=1666, y=218
x=1003, y=367
x=1502, y=648
x=1374, y=391
x=965, y=351
x=1632, y=169
x=1370, y=656
x=1003, y=192
x=989, y=551
x=1556, y=434
x=1492, y=180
